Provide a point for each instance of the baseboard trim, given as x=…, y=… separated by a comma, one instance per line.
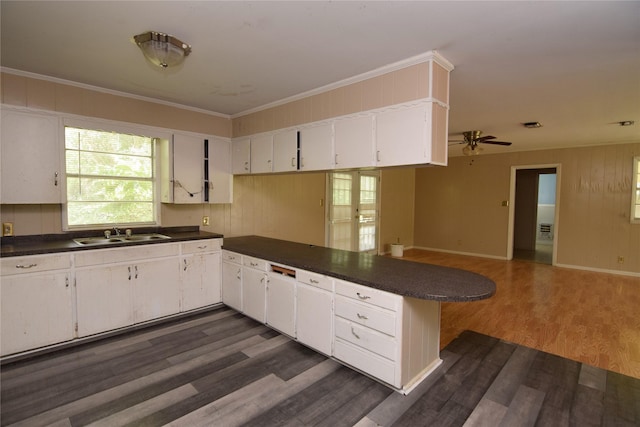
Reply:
x=461, y=253
x=599, y=270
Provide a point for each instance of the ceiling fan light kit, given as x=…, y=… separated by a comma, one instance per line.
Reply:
x=162, y=49
x=474, y=137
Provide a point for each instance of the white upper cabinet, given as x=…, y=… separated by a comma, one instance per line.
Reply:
x=261, y=154
x=219, y=166
x=285, y=151
x=30, y=153
x=402, y=136
x=316, y=147
x=188, y=179
x=354, y=142
x=201, y=169
x=241, y=156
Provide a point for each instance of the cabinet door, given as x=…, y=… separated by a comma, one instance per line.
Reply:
x=156, y=289
x=220, y=177
x=261, y=154
x=104, y=299
x=201, y=280
x=316, y=148
x=30, y=158
x=401, y=136
x=285, y=151
x=241, y=156
x=188, y=155
x=232, y=285
x=281, y=303
x=37, y=310
x=314, y=318
x=354, y=144
x=253, y=293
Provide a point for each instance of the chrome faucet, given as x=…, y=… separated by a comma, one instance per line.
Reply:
x=117, y=230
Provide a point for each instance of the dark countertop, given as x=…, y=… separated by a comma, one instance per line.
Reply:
x=54, y=243
x=402, y=277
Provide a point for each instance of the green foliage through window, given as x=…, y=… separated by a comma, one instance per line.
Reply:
x=110, y=178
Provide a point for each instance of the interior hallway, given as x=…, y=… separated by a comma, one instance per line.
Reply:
x=585, y=316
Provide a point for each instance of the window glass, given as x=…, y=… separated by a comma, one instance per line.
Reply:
x=635, y=198
x=110, y=178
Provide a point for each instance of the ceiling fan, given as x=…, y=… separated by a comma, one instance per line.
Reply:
x=474, y=137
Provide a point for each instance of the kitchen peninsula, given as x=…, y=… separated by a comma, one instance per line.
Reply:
x=377, y=314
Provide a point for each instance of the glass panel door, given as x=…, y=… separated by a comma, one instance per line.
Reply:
x=353, y=211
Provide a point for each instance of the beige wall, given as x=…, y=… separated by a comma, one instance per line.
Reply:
x=407, y=84
x=397, y=207
x=458, y=208
x=46, y=95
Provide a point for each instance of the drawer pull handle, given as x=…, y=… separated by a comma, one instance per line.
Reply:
x=362, y=316
x=232, y=258
x=202, y=247
x=26, y=266
x=184, y=260
x=362, y=296
x=136, y=269
x=253, y=264
x=238, y=275
x=314, y=281
x=354, y=333
x=129, y=268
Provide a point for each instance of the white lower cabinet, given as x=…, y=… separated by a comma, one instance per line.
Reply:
x=232, y=280
x=156, y=291
x=201, y=275
x=37, y=302
x=254, y=288
x=314, y=311
x=281, y=303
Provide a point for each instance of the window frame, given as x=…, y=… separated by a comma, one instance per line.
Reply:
x=635, y=186
x=109, y=126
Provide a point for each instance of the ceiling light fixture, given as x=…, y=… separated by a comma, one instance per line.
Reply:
x=162, y=49
x=532, y=125
x=626, y=123
x=472, y=149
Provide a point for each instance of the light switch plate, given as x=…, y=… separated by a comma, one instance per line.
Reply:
x=7, y=229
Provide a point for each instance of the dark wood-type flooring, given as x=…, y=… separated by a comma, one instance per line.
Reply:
x=221, y=368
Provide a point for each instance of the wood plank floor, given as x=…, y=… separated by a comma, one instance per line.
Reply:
x=222, y=369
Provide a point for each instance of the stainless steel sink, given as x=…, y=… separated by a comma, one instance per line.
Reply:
x=86, y=241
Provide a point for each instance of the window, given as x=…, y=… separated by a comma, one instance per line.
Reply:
x=635, y=192
x=110, y=179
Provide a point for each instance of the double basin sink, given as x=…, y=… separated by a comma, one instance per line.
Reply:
x=87, y=241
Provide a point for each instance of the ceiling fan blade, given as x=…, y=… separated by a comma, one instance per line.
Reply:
x=495, y=142
x=484, y=138
x=457, y=142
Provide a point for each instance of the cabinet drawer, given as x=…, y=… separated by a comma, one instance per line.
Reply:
x=129, y=254
x=232, y=257
x=366, y=338
x=206, y=245
x=314, y=279
x=258, y=264
x=369, y=295
x=372, y=364
x=34, y=263
x=367, y=315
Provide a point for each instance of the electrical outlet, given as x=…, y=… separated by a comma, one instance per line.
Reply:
x=205, y=220
x=505, y=203
x=7, y=229
x=620, y=259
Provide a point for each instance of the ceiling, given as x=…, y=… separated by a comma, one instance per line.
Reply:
x=572, y=66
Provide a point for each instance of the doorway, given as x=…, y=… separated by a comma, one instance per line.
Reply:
x=352, y=214
x=533, y=220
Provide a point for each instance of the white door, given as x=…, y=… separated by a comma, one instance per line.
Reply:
x=104, y=299
x=156, y=289
x=201, y=280
x=30, y=156
x=36, y=311
x=232, y=285
x=281, y=303
x=254, y=284
x=401, y=136
x=241, y=156
x=316, y=148
x=353, y=210
x=220, y=177
x=188, y=155
x=262, y=154
x=314, y=318
x=354, y=143
x=285, y=151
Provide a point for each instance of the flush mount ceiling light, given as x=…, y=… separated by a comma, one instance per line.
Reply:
x=626, y=123
x=161, y=49
x=532, y=125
